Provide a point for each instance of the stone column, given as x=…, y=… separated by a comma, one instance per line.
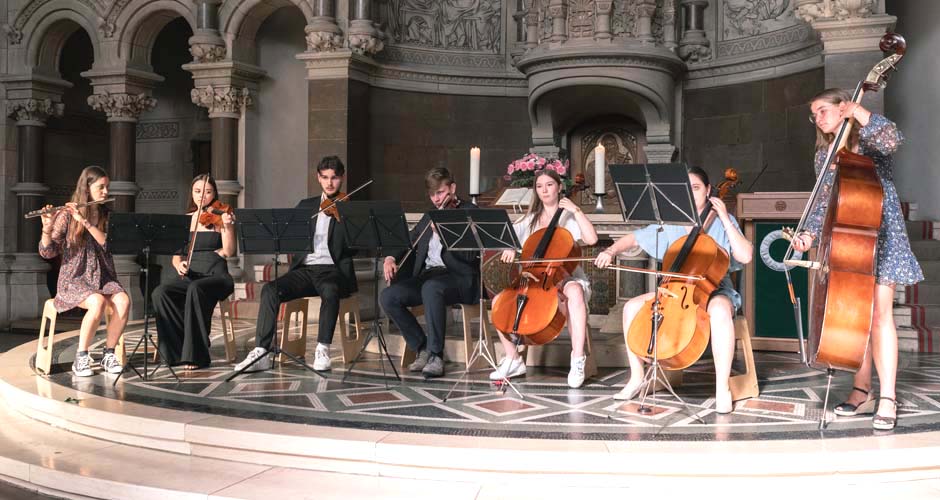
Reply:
x=225, y=105
x=669, y=24
x=644, y=20
x=558, y=9
x=206, y=45
x=659, y=153
x=602, y=21
x=694, y=45
x=364, y=39
x=30, y=116
x=123, y=111
x=532, y=26
x=323, y=34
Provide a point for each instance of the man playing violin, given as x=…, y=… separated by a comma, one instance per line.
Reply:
x=327, y=273
x=439, y=278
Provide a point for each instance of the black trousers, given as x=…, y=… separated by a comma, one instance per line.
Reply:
x=436, y=289
x=322, y=281
x=184, y=310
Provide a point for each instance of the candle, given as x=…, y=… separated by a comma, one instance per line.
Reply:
x=599, y=170
x=474, y=170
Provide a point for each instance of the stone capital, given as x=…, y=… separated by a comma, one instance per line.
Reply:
x=229, y=187
x=225, y=101
x=364, y=39
x=860, y=34
x=659, y=153
x=34, y=112
x=121, y=107
x=323, y=35
x=30, y=189
x=123, y=188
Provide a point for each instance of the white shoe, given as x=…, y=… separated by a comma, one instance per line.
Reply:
x=509, y=368
x=576, y=375
x=322, y=360
x=628, y=392
x=111, y=364
x=265, y=363
x=81, y=367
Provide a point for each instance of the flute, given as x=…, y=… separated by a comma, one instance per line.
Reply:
x=52, y=210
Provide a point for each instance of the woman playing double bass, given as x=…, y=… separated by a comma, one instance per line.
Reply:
x=574, y=291
x=723, y=302
x=878, y=138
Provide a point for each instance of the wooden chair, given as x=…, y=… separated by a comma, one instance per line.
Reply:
x=228, y=328
x=297, y=309
x=47, y=338
x=351, y=341
x=470, y=336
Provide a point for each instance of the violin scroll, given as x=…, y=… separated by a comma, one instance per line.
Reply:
x=878, y=76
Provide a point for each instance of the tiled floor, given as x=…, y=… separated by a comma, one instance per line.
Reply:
x=788, y=407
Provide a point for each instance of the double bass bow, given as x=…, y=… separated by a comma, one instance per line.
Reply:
x=844, y=285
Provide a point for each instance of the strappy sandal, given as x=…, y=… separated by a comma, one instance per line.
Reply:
x=847, y=409
x=885, y=423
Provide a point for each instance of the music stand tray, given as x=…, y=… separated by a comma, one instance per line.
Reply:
x=476, y=229
x=274, y=230
x=150, y=234
x=379, y=226
x=656, y=194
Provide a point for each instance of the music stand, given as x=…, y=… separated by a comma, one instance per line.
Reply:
x=476, y=229
x=274, y=230
x=378, y=225
x=152, y=234
x=656, y=194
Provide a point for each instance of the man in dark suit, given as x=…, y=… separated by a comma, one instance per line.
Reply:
x=439, y=279
x=327, y=272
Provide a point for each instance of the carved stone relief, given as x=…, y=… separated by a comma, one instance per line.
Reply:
x=34, y=110
x=620, y=146
x=121, y=106
x=814, y=10
x=623, y=21
x=581, y=19
x=743, y=18
x=467, y=25
x=221, y=99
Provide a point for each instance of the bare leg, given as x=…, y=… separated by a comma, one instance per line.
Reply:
x=630, y=310
x=509, y=347
x=94, y=306
x=884, y=343
x=576, y=310
x=120, y=305
x=722, y=339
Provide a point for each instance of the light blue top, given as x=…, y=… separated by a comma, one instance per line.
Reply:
x=646, y=238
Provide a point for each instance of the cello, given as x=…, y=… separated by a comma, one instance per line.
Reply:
x=844, y=287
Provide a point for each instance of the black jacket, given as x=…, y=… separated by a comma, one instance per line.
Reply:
x=342, y=255
x=465, y=265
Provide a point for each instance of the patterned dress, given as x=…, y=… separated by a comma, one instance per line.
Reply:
x=896, y=264
x=86, y=269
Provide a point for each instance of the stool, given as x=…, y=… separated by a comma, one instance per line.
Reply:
x=47, y=338
x=296, y=309
x=228, y=328
x=468, y=312
x=351, y=343
x=298, y=346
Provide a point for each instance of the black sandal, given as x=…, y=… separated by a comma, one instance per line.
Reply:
x=885, y=423
x=847, y=409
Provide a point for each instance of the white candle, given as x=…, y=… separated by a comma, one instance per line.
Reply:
x=474, y=171
x=599, y=164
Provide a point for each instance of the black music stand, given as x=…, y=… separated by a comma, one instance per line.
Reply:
x=476, y=230
x=274, y=230
x=379, y=226
x=150, y=234
x=656, y=194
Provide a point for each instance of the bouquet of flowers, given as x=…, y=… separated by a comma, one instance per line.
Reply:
x=522, y=172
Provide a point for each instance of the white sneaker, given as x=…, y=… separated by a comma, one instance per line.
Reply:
x=81, y=367
x=322, y=360
x=576, y=375
x=509, y=368
x=111, y=364
x=265, y=363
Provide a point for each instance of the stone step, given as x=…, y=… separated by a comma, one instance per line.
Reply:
x=931, y=270
x=925, y=292
x=919, y=339
x=926, y=250
x=923, y=230
x=919, y=315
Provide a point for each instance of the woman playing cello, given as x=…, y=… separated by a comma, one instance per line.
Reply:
x=878, y=138
x=723, y=301
x=574, y=292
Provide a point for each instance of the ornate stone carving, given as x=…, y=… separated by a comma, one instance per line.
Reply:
x=15, y=30
x=581, y=19
x=323, y=35
x=743, y=18
x=34, y=110
x=207, y=53
x=694, y=45
x=109, y=23
x=158, y=130
x=221, y=99
x=620, y=147
x=121, y=106
x=14, y=36
x=470, y=25
x=814, y=10
x=364, y=39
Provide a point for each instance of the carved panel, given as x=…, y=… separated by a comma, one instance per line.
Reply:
x=157, y=130
x=620, y=146
x=623, y=19
x=744, y=18
x=581, y=19
x=467, y=25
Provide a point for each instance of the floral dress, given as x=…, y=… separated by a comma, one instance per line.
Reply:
x=896, y=264
x=86, y=269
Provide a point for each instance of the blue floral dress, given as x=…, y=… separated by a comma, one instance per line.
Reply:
x=896, y=264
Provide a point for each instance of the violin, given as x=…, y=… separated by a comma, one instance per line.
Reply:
x=212, y=213
x=328, y=206
x=528, y=307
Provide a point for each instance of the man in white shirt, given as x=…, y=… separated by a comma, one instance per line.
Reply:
x=327, y=273
x=440, y=278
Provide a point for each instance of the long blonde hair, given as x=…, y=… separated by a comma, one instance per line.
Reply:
x=835, y=97
x=82, y=194
x=535, y=208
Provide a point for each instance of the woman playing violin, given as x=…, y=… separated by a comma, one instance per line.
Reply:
x=721, y=305
x=184, y=307
x=878, y=138
x=574, y=291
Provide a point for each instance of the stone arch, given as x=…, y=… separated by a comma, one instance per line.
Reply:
x=47, y=30
x=138, y=24
x=239, y=21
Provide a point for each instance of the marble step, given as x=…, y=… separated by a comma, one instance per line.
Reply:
x=925, y=292
x=926, y=250
x=923, y=230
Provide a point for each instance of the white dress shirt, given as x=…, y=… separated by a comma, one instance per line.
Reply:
x=321, y=247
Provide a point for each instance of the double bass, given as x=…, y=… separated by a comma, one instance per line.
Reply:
x=844, y=287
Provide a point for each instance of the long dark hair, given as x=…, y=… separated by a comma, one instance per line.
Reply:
x=82, y=194
x=835, y=97
x=215, y=191
x=535, y=208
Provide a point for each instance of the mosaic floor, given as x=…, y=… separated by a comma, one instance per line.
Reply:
x=788, y=408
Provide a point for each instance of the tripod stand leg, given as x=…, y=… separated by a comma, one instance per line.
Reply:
x=383, y=351
x=481, y=351
x=823, y=417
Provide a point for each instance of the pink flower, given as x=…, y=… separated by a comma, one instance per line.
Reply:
x=561, y=170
